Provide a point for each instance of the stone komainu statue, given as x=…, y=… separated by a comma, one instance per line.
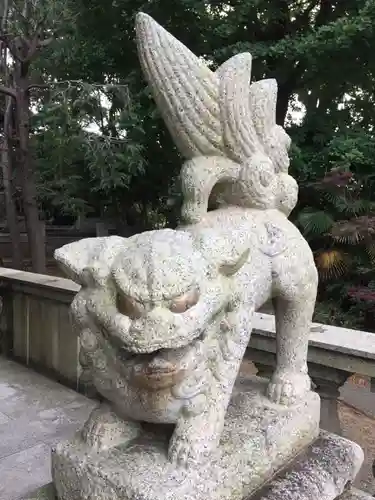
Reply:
x=165, y=316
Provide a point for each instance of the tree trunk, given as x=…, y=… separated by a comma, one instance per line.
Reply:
x=11, y=212
x=6, y=158
x=283, y=97
x=35, y=234
x=23, y=50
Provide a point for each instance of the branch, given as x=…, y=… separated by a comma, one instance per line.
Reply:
x=325, y=13
x=5, y=38
x=303, y=18
x=8, y=91
x=9, y=43
x=32, y=46
x=46, y=42
x=35, y=44
x=5, y=13
x=38, y=86
x=7, y=119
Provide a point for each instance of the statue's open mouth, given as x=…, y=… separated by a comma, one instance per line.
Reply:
x=141, y=359
x=153, y=371
x=158, y=370
x=157, y=381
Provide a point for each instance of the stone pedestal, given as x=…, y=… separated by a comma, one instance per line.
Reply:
x=324, y=470
x=259, y=438
x=354, y=494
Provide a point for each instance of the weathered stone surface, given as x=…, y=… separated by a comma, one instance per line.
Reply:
x=322, y=472
x=354, y=494
x=165, y=316
x=258, y=438
x=48, y=493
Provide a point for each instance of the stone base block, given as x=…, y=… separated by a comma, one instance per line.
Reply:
x=326, y=468
x=48, y=493
x=353, y=494
x=259, y=438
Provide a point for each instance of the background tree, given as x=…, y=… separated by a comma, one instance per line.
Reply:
x=6, y=148
x=311, y=47
x=336, y=213
x=24, y=34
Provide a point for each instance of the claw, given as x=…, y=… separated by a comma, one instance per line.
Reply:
x=186, y=453
x=287, y=388
x=104, y=429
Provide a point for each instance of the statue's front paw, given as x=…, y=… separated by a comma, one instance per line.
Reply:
x=194, y=439
x=104, y=429
x=189, y=451
x=287, y=388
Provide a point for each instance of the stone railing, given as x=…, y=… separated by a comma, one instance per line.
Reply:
x=35, y=328
x=335, y=354
x=35, y=325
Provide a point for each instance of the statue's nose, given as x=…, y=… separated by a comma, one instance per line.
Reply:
x=159, y=329
x=154, y=320
x=152, y=328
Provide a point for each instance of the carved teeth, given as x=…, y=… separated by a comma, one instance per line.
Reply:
x=159, y=365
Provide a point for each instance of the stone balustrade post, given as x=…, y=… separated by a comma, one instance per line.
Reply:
x=264, y=371
x=327, y=382
x=329, y=393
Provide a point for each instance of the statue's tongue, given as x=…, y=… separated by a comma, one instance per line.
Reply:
x=163, y=361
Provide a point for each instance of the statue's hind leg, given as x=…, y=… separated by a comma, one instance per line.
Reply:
x=294, y=308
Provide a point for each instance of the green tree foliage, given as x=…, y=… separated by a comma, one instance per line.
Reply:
x=317, y=50
x=336, y=213
x=85, y=153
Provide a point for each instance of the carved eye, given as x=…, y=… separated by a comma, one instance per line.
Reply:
x=129, y=306
x=184, y=302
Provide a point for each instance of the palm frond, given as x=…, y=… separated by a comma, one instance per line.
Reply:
x=314, y=223
x=370, y=250
x=331, y=263
x=351, y=207
x=354, y=230
x=330, y=197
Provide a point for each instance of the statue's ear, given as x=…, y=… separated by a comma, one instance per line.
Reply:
x=232, y=267
x=89, y=258
x=74, y=257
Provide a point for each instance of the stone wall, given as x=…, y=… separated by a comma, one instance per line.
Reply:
x=35, y=325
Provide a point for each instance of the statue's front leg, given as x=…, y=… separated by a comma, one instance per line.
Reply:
x=290, y=381
x=104, y=429
x=197, y=435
